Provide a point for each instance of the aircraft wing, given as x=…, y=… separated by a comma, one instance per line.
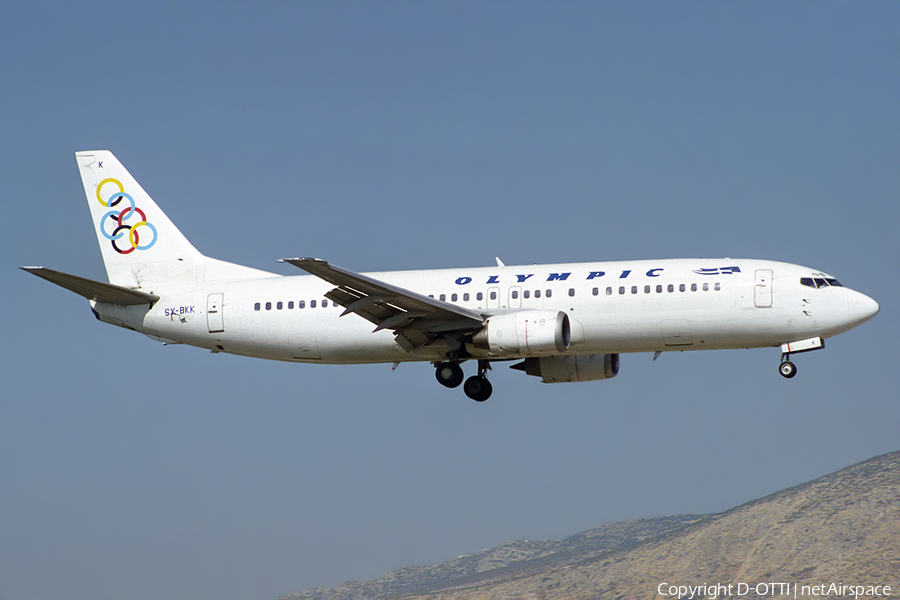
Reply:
x=414, y=318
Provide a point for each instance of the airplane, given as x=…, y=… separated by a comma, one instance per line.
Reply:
x=561, y=322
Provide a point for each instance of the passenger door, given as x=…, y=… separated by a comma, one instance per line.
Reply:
x=762, y=290
x=214, y=313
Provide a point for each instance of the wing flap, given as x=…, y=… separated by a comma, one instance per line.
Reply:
x=94, y=290
x=416, y=319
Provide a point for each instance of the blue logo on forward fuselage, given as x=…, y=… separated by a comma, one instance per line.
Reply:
x=718, y=271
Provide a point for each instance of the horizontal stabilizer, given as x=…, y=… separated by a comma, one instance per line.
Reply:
x=93, y=290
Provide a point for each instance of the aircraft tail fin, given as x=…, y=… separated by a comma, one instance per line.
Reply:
x=141, y=247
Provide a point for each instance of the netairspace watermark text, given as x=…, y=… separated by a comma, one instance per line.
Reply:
x=772, y=589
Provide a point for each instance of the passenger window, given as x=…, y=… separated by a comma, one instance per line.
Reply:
x=466, y=297
x=537, y=293
x=301, y=304
x=646, y=289
x=549, y=293
x=493, y=295
x=279, y=305
x=634, y=289
x=571, y=292
x=681, y=287
x=670, y=288
x=443, y=297
x=453, y=297
x=621, y=290
x=526, y=294
x=312, y=303
x=268, y=306
x=514, y=294
x=324, y=303
x=659, y=289
x=609, y=291
x=705, y=287
x=290, y=304
x=256, y=306
x=479, y=297
x=595, y=291
x=718, y=286
x=693, y=287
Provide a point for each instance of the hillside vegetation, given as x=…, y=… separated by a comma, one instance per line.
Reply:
x=842, y=528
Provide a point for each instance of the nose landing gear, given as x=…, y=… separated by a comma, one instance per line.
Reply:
x=787, y=368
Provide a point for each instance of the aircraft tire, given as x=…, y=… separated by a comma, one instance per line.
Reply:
x=449, y=374
x=787, y=369
x=478, y=388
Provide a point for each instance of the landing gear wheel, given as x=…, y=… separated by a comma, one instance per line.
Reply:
x=449, y=374
x=787, y=369
x=478, y=388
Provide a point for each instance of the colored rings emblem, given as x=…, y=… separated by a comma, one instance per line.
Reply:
x=117, y=219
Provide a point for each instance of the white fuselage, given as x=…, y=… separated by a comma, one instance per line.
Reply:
x=613, y=307
x=568, y=322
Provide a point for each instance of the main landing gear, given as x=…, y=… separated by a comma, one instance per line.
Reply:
x=449, y=374
x=787, y=368
x=477, y=387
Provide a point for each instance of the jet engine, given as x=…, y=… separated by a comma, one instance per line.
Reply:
x=525, y=333
x=563, y=369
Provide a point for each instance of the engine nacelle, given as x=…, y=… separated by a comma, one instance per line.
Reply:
x=564, y=369
x=525, y=333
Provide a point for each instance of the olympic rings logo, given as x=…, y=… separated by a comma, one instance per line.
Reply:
x=119, y=219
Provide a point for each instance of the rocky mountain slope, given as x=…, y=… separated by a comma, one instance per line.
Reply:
x=842, y=528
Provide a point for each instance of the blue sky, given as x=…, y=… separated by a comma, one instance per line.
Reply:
x=397, y=135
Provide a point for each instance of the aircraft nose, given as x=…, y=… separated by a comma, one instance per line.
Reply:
x=861, y=308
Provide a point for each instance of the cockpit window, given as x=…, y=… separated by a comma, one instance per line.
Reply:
x=819, y=282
